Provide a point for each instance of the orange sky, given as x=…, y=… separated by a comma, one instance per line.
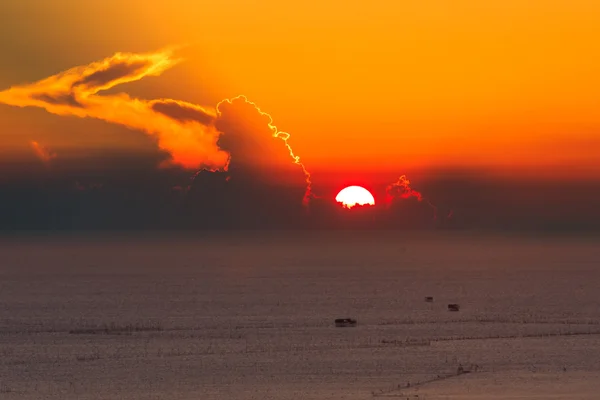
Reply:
x=384, y=84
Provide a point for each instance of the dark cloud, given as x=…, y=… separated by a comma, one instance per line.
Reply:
x=125, y=191
x=475, y=202
x=255, y=178
x=112, y=73
x=246, y=135
x=256, y=147
x=66, y=99
x=182, y=112
x=106, y=190
x=262, y=186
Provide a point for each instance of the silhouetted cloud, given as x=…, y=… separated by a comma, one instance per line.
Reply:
x=264, y=182
x=258, y=150
x=113, y=72
x=136, y=195
x=183, y=112
x=66, y=99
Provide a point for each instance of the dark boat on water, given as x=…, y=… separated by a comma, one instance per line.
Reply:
x=345, y=322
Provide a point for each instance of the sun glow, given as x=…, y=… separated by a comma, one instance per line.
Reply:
x=355, y=195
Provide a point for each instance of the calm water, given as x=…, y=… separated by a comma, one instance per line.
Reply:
x=250, y=316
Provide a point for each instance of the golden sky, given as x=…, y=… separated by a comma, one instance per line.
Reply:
x=512, y=85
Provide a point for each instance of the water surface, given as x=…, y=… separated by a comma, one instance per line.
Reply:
x=250, y=316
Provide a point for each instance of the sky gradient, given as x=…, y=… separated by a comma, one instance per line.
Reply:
x=495, y=91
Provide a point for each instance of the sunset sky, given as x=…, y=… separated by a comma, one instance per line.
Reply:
x=508, y=87
x=385, y=83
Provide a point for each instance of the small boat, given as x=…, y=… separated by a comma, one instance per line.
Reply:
x=453, y=307
x=345, y=322
x=429, y=299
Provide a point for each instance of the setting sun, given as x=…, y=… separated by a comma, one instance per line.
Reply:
x=353, y=195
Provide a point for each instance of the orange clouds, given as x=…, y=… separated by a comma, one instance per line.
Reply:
x=190, y=133
x=191, y=142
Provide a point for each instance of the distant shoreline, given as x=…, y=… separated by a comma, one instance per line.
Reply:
x=316, y=234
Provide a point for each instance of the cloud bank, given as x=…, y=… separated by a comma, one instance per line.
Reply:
x=242, y=165
x=196, y=137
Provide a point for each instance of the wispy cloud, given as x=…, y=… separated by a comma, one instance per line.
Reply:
x=190, y=141
x=42, y=152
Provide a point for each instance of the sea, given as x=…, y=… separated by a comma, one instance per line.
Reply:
x=251, y=315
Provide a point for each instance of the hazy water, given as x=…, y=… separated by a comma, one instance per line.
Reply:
x=250, y=316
